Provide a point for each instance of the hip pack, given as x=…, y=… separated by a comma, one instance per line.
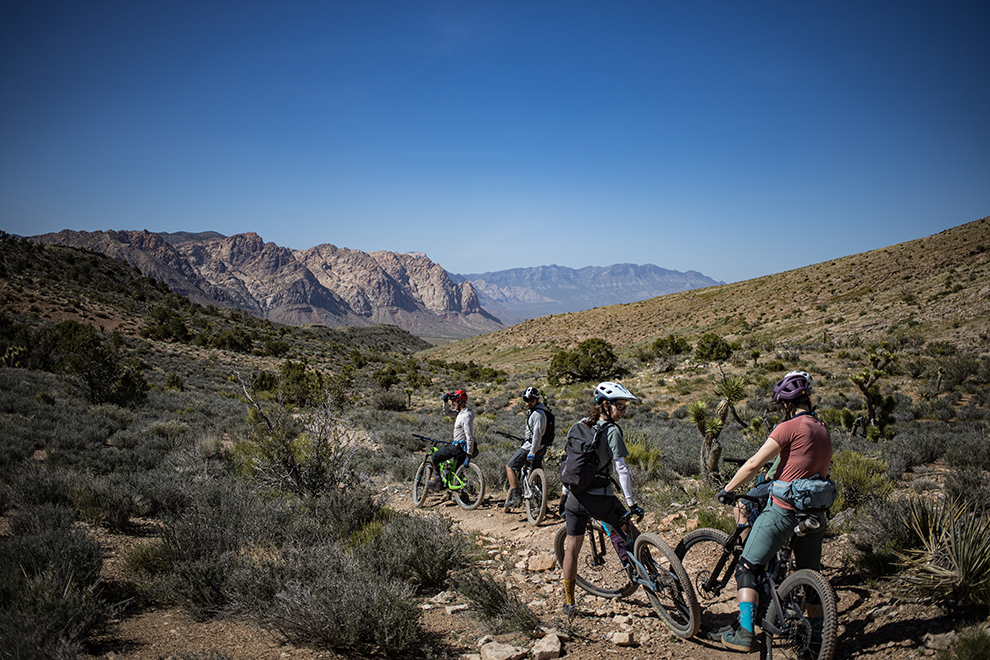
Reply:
x=806, y=494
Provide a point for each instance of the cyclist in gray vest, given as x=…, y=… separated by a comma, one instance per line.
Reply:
x=532, y=449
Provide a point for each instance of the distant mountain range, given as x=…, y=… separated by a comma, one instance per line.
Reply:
x=524, y=293
x=343, y=287
x=325, y=284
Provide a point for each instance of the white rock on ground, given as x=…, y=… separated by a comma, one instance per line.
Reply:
x=547, y=648
x=499, y=651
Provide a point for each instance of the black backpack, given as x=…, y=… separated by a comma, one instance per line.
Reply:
x=579, y=469
x=550, y=432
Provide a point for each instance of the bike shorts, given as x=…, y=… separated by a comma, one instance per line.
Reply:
x=772, y=529
x=518, y=459
x=579, y=508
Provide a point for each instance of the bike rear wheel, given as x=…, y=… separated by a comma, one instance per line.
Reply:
x=702, y=553
x=600, y=572
x=803, y=595
x=673, y=597
x=536, y=503
x=472, y=486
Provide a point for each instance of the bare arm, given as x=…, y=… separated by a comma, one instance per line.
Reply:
x=749, y=469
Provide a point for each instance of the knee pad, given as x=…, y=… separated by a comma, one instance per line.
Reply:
x=747, y=575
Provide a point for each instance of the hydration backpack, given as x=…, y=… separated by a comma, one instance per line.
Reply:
x=579, y=469
x=550, y=432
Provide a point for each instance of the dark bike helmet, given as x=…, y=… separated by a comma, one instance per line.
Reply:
x=530, y=394
x=795, y=385
x=458, y=396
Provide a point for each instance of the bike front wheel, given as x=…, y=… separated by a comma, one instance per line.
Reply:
x=536, y=502
x=672, y=595
x=711, y=570
x=421, y=483
x=470, y=486
x=808, y=618
x=600, y=572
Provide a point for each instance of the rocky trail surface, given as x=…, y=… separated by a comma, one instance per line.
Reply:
x=874, y=624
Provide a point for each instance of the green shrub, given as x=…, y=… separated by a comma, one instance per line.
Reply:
x=716, y=520
x=859, y=479
x=174, y=382
x=497, y=606
x=881, y=530
x=712, y=348
x=972, y=645
x=414, y=549
x=671, y=345
x=321, y=596
x=593, y=359
x=48, y=572
x=388, y=400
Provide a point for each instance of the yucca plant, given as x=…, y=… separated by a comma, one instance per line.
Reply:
x=953, y=564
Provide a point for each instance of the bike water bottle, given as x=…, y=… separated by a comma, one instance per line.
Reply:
x=809, y=524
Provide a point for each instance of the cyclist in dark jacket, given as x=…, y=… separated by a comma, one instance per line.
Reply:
x=599, y=501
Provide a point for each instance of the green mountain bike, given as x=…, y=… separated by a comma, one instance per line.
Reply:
x=466, y=484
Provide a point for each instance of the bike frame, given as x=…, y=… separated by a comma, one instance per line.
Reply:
x=641, y=575
x=449, y=475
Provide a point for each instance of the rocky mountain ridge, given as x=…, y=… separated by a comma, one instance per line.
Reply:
x=325, y=284
x=526, y=293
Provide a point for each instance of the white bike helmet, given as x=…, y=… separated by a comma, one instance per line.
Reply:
x=609, y=391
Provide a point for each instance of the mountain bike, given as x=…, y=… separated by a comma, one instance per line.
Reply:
x=466, y=484
x=788, y=598
x=605, y=573
x=533, y=482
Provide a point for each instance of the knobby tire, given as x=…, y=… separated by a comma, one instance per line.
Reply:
x=600, y=572
x=536, y=503
x=701, y=553
x=421, y=483
x=798, y=642
x=673, y=596
x=473, y=492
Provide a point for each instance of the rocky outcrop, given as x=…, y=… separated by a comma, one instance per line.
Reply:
x=324, y=284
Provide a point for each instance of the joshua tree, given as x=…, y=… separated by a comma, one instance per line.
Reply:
x=731, y=389
x=879, y=357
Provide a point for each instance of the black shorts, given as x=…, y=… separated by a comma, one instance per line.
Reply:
x=518, y=459
x=579, y=508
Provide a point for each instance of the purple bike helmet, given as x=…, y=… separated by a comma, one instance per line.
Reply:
x=795, y=385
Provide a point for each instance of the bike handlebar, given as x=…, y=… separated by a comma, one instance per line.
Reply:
x=436, y=442
x=509, y=435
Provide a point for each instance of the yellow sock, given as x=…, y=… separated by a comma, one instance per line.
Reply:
x=569, y=592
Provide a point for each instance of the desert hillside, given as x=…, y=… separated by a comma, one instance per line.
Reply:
x=935, y=288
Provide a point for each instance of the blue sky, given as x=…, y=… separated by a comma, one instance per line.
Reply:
x=732, y=138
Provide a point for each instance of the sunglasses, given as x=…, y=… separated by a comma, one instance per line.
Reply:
x=620, y=406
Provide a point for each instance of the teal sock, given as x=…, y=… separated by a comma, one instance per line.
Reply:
x=746, y=615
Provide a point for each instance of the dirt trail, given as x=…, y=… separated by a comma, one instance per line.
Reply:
x=874, y=625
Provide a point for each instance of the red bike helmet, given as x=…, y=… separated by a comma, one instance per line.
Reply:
x=794, y=385
x=458, y=396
